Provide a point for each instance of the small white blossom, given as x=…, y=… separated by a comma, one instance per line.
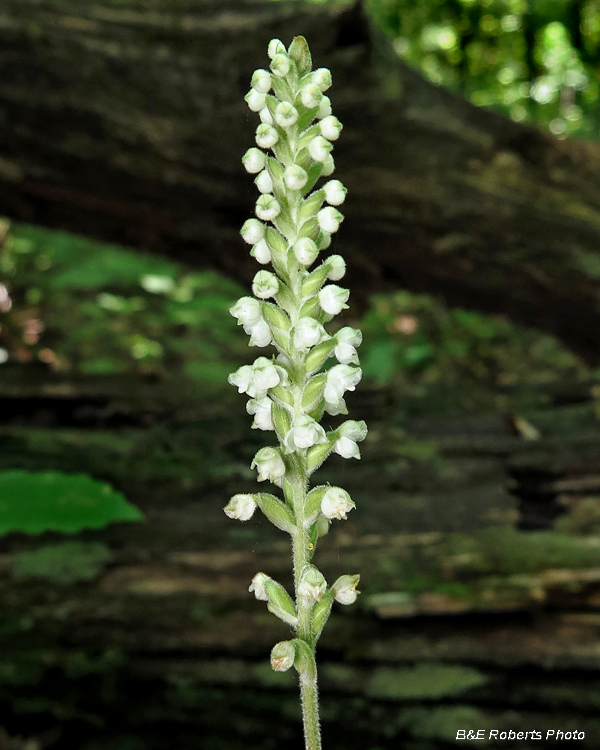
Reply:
x=283, y=655
x=295, y=177
x=285, y=114
x=319, y=148
x=261, y=81
x=304, y=432
x=265, y=116
x=347, y=341
x=276, y=47
x=345, y=589
x=261, y=408
x=261, y=252
x=330, y=127
x=312, y=585
x=328, y=166
x=241, y=378
x=260, y=334
x=255, y=100
x=322, y=78
x=350, y=433
x=269, y=464
x=336, y=503
x=265, y=285
x=305, y=251
x=336, y=407
x=341, y=378
x=258, y=586
x=346, y=448
x=240, y=507
x=265, y=375
x=264, y=183
x=252, y=231
x=267, y=208
x=329, y=219
x=324, y=108
x=311, y=96
x=266, y=136
x=247, y=311
x=307, y=333
x=281, y=64
x=335, y=192
x=333, y=299
x=336, y=267
x=254, y=160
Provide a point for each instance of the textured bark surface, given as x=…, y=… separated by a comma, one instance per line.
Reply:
x=125, y=121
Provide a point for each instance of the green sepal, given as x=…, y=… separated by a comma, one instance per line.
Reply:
x=288, y=492
x=281, y=90
x=300, y=53
x=276, y=511
x=284, y=224
x=318, y=355
x=275, y=241
x=280, y=602
x=281, y=421
x=305, y=657
x=307, y=116
x=313, y=391
x=275, y=317
x=275, y=169
x=281, y=339
x=321, y=612
x=271, y=102
x=309, y=308
x=286, y=299
x=314, y=281
x=316, y=454
x=311, y=205
x=314, y=172
x=281, y=395
x=309, y=228
x=317, y=412
x=307, y=136
x=312, y=505
x=313, y=537
x=322, y=525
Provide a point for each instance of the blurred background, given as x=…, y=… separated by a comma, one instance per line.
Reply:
x=472, y=129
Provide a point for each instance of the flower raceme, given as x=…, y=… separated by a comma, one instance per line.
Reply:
x=291, y=304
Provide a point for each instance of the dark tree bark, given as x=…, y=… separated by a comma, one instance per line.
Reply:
x=126, y=122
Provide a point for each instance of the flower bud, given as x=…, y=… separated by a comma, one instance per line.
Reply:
x=261, y=408
x=324, y=240
x=312, y=584
x=261, y=252
x=255, y=100
x=269, y=464
x=328, y=166
x=308, y=333
x=266, y=136
x=336, y=503
x=282, y=656
x=295, y=177
x=349, y=434
x=335, y=192
x=276, y=47
x=267, y=208
x=304, y=433
x=266, y=116
x=252, y=231
x=285, y=114
x=319, y=148
x=330, y=127
x=336, y=267
x=260, y=334
x=281, y=65
x=322, y=78
x=247, y=311
x=261, y=81
x=258, y=586
x=254, y=160
x=305, y=251
x=324, y=108
x=344, y=589
x=265, y=285
x=311, y=96
x=329, y=219
x=332, y=299
x=240, y=507
x=264, y=182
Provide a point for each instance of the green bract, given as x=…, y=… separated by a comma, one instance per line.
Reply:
x=288, y=393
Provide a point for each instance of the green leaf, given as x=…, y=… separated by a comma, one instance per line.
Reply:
x=277, y=512
x=51, y=501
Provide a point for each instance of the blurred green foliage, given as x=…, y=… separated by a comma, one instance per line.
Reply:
x=34, y=503
x=66, y=562
x=533, y=60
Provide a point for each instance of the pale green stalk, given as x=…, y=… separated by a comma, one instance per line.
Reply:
x=289, y=393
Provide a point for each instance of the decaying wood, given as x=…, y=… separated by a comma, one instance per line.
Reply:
x=126, y=122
